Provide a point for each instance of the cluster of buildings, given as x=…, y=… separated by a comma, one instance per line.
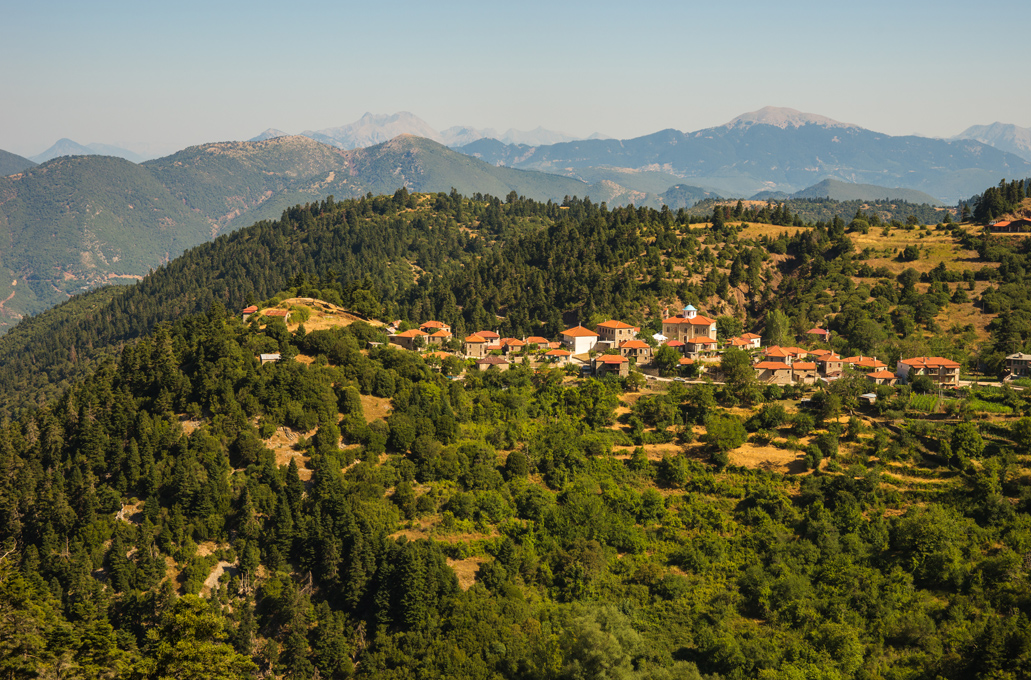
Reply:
x=614, y=345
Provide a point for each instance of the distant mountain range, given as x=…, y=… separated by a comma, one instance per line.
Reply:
x=372, y=129
x=67, y=147
x=843, y=191
x=777, y=149
x=1011, y=138
x=72, y=223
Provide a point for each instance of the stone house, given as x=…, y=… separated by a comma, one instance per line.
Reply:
x=773, y=372
x=611, y=363
x=406, y=339
x=944, y=372
x=636, y=349
x=474, y=346
x=616, y=332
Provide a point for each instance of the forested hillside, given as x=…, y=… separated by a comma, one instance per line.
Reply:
x=528, y=268
x=358, y=514
x=168, y=503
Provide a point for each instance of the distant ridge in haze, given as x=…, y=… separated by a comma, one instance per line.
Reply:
x=1003, y=136
x=12, y=163
x=843, y=191
x=784, y=118
x=372, y=129
x=777, y=149
x=271, y=133
x=68, y=147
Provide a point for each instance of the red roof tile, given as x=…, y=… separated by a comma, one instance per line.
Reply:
x=579, y=332
x=613, y=359
x=612, y=323
x=772, y=365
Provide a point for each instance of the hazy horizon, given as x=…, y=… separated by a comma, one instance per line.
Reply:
x=157, y=79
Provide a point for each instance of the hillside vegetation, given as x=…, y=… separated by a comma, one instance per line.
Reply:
x=534, y=268
x=352, y=511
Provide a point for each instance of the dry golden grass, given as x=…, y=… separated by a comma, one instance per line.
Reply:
x=755, y=230
x=425, y=527
x=324, y=315
x=769, y=458
x=375, y=407
x=466, y=570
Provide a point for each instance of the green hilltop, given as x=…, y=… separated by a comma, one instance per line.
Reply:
x=74, y=223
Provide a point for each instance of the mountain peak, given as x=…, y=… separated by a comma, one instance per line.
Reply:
x=270, y=133
x=783, y=117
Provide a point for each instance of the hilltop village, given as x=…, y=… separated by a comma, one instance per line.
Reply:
x=687, y=348
x=615, y=346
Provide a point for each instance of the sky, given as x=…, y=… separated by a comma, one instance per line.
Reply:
x=158, y=77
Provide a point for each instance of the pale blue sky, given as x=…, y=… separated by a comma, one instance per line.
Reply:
x=164, y=76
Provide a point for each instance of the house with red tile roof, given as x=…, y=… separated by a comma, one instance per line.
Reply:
x=488, y=335
x=636, y=349
x=616, y=332
x=487, y=363
x=678, y=345
x=754, y=341
x=439, y=338
x=882, y=377
x=283, y=314
x=611, y=363
x=830, y=365
x=944, y=372
x=699, y=347
x=475, y=346
x=864, y=364
x=537, y=340
x=773, y=372
x=509, y=345
x=558, y=356
x=1015, y=226
x=434, y=326
x=579, y=339
x=804, y=372
x=406, y=339
x=247, y=311
x=687, y=325
x=819, y=334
